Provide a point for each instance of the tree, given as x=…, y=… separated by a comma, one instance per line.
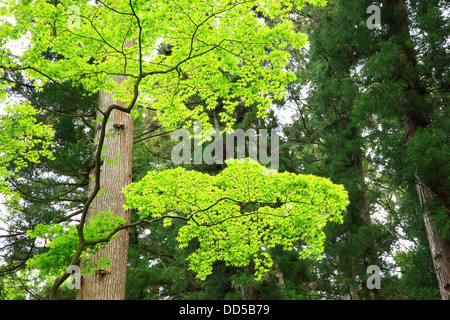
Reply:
x=326, y=138
x=239, y=214
x=109, y=283
x=216, y=38
x=170, y=277
x=52, y=188
x=367, y=90
x=407, y=73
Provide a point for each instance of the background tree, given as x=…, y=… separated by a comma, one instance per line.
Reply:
x=377, y=108
x=420, y=97
x=54, y=188
x=327, y=139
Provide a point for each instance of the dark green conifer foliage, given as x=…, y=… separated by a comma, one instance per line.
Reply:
x=51, y=189
x=328, y=140
x=352, y=127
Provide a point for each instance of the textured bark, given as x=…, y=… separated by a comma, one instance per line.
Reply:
x=439, y=248
x=110, y=284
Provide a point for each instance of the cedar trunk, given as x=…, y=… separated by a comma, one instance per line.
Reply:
x=110, y=284
x=439, y=248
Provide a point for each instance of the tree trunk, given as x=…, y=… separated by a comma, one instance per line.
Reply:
x=110, y=284
x=439, y=248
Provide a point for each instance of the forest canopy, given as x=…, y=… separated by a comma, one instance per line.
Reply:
x=92, y=107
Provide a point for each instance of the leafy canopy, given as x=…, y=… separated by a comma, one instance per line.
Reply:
x=238, y=215
x=219, y=51
x=210, y=43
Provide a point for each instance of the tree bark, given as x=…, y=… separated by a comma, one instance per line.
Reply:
x=110, y=284
x=439, y=248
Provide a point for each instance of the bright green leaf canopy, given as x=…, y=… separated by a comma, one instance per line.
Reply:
x=218, y=49
x=238, y=215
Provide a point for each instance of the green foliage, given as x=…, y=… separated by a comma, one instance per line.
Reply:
x=326, y=138
x=237, y=229
x=221, y=39
x=22, y=140
x=239, y=214
x=48, y=189
x=63, y=243
x=362, y=84
x=418, y=280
